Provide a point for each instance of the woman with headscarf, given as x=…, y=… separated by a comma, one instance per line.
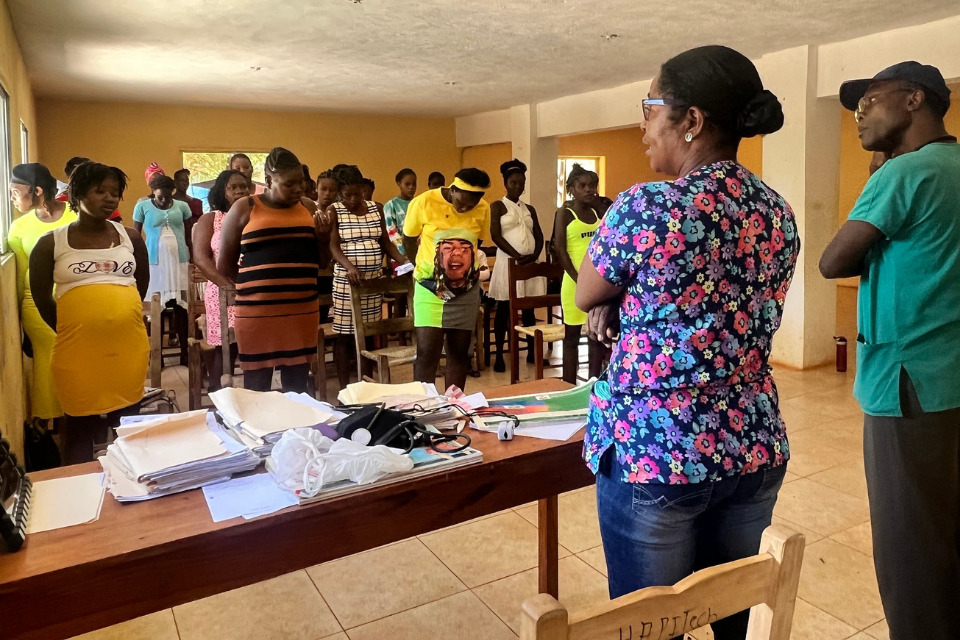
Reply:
x=685, y=432
x=516, y=231
x=229, y=187
x=273, y=245
x=448, y=222
x=34, y=192
x=163, y=220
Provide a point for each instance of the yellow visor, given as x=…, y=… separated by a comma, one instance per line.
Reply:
x=463, y=186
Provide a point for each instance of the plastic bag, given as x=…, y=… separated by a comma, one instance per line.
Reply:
x=290, y=455
x=348, y=460
x=305, y=461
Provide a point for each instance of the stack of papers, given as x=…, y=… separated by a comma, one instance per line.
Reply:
x=373, y=392
x=172, y=453
x=257, y=419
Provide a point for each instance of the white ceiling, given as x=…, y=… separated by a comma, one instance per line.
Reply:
x=405, y=57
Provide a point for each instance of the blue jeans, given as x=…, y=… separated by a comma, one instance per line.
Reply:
x=658, y=534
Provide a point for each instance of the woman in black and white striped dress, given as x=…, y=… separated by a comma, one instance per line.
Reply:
x=358, y=241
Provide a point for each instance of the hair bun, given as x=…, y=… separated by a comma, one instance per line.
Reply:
x=762, y=115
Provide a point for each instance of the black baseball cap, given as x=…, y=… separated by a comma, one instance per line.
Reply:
x=925, y=75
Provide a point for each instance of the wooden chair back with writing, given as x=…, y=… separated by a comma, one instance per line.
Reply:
x=765, y=583
x=541, y=331
x=386, y=356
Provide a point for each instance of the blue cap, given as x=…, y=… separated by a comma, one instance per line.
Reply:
x=925, y=75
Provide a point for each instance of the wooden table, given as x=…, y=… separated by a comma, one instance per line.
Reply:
x=144, y=557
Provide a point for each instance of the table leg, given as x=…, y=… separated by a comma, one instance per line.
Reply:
x=549, y=553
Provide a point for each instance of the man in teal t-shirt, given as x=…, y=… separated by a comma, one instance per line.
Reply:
x=903, y=240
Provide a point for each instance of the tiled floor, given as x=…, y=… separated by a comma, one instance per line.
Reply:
x=431, y=586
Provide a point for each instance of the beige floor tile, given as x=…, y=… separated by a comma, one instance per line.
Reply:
x=488, y=550
x=154, y=626
x=849, y=478
x=810, y=623
x=820, y=508
x=353, y=587
x=595, y=558
x=460, y=616
x=842, y=582
x=861, y=636
x=285, y=608
x=578, y=524
x=879, y=631
x=859, y=537
x=580, y=587
x=809, y=536
x=790, y=477
x=822, y=448
x=337, y=636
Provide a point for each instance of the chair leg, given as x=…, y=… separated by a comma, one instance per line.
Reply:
x=514, y=360
x=538, y=353
x=194, y=375
x=486, y=335
x=383, y=369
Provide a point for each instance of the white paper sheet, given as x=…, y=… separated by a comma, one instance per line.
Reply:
x=562, y=431
x=65, y=502
x=250, y=497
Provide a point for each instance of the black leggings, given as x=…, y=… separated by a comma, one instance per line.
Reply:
x=501, y=325
x=81, y=433
x=596, y=353
x=295, y=378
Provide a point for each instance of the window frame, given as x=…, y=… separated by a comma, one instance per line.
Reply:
x=6, y=166
x=565, y=161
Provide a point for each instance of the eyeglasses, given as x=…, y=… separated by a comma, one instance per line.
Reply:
x=646, y=103
x=866, y=102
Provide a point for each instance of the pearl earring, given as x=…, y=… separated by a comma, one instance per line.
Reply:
x=688, y=137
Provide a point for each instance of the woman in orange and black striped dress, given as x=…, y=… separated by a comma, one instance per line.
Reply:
x=281, y=242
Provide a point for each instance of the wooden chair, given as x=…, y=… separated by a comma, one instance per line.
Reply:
x=541, y=331
x=156, y=395
x=195, y=343
x=386, y=356
x=765, y=583
x=325, y=338
x=152, y=310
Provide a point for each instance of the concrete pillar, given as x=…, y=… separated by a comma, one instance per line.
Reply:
x=802, y=162
x=540, y=156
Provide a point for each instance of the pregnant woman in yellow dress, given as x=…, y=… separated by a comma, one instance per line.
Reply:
x=101, y=273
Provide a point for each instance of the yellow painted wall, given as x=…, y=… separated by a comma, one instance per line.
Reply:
x=488, y=157
x=626, y=162
x=13, y=77
x=131, y=136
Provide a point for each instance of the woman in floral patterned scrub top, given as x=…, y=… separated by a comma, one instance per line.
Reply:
x=685, y=433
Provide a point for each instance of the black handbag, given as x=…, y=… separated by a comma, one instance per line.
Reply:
x=40, y=450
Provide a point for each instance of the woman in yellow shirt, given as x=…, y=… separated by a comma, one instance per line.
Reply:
x=449, y=221
x=34, y=191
